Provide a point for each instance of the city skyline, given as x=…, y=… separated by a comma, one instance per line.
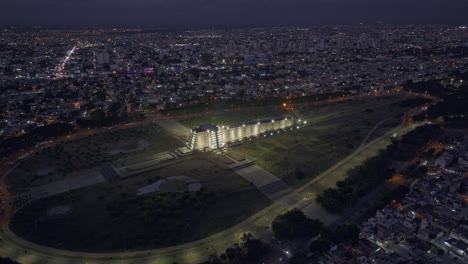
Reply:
x=233, y=131
x=229, y=13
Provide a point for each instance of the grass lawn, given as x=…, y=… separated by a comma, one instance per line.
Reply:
x=111, y=217
x=319, y=111
x=299, y=155
x=235, y=116
x=68, y=157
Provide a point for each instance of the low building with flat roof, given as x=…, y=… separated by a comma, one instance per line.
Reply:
x=211, y=137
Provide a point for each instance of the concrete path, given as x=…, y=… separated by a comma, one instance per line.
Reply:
x=136, y=166
x=196, y=251
x=270, y=185
x=175, y=127
x=129, y=147
x=91, y=177
x=65, y=185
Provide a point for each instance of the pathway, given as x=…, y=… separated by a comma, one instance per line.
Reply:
x=175, y=127
x=65, y=185
x=270, y=185
x=196, y=251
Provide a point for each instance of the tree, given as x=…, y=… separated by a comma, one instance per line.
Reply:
x=98, y=115
x=295, y=225
x=214, y=259
x=320, y=245
x=7, y=261
x=254, y=249
x=298, y=258
x=345, y=233
x=231, y=253
x=299, y=173
x=334, y=200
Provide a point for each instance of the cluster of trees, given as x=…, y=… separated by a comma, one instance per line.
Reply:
x=347, y=234
x=11, y=145
x=453, y=107
x=68, y=157
x=7, y=261
x=362, y=179
x=99, y=118
x=414, y=102
x=292, y=225
x=234, y=103
x=359, y=181
x=342, y=234
x=250, y=250
x=295, y=225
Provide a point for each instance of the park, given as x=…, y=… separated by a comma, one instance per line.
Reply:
x=131, y=190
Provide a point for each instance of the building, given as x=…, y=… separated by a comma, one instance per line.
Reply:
x=205, y=137
x=445, y=160
x=103, y=58
x=211, y=137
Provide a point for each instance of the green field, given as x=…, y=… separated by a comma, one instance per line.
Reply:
x=235, y=116
x=319, y=111
x=334, y=132
x=68, y=157
x=111, y=217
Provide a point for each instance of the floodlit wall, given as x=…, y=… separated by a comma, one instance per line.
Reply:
x=202, y=139
x=243, y=131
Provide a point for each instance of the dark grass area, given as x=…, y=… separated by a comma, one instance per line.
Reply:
x=299, y=155
x=70, y=157
x=110, y=217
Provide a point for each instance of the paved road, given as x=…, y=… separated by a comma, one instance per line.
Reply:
x=198, y=250
x=27, y=252
x=369, y=134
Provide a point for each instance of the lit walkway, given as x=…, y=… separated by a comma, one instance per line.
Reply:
x=175, y=127
x=270, y=185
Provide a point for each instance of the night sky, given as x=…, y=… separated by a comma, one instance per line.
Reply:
x=230, y=12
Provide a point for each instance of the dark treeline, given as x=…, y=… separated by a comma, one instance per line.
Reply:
x=231, y=104
x=7, y=261
x=249, y=250
x=453, y=108
x=364, y=178
x=40, y=134
x=100, y=119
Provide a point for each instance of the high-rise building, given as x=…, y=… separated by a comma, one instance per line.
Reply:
x=340, y=41
x=3, y=62
x=385, y=35
x=231, y=48
x=103, y=58
x=321, y=44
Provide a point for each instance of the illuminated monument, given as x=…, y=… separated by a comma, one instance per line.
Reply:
x=211, y=137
